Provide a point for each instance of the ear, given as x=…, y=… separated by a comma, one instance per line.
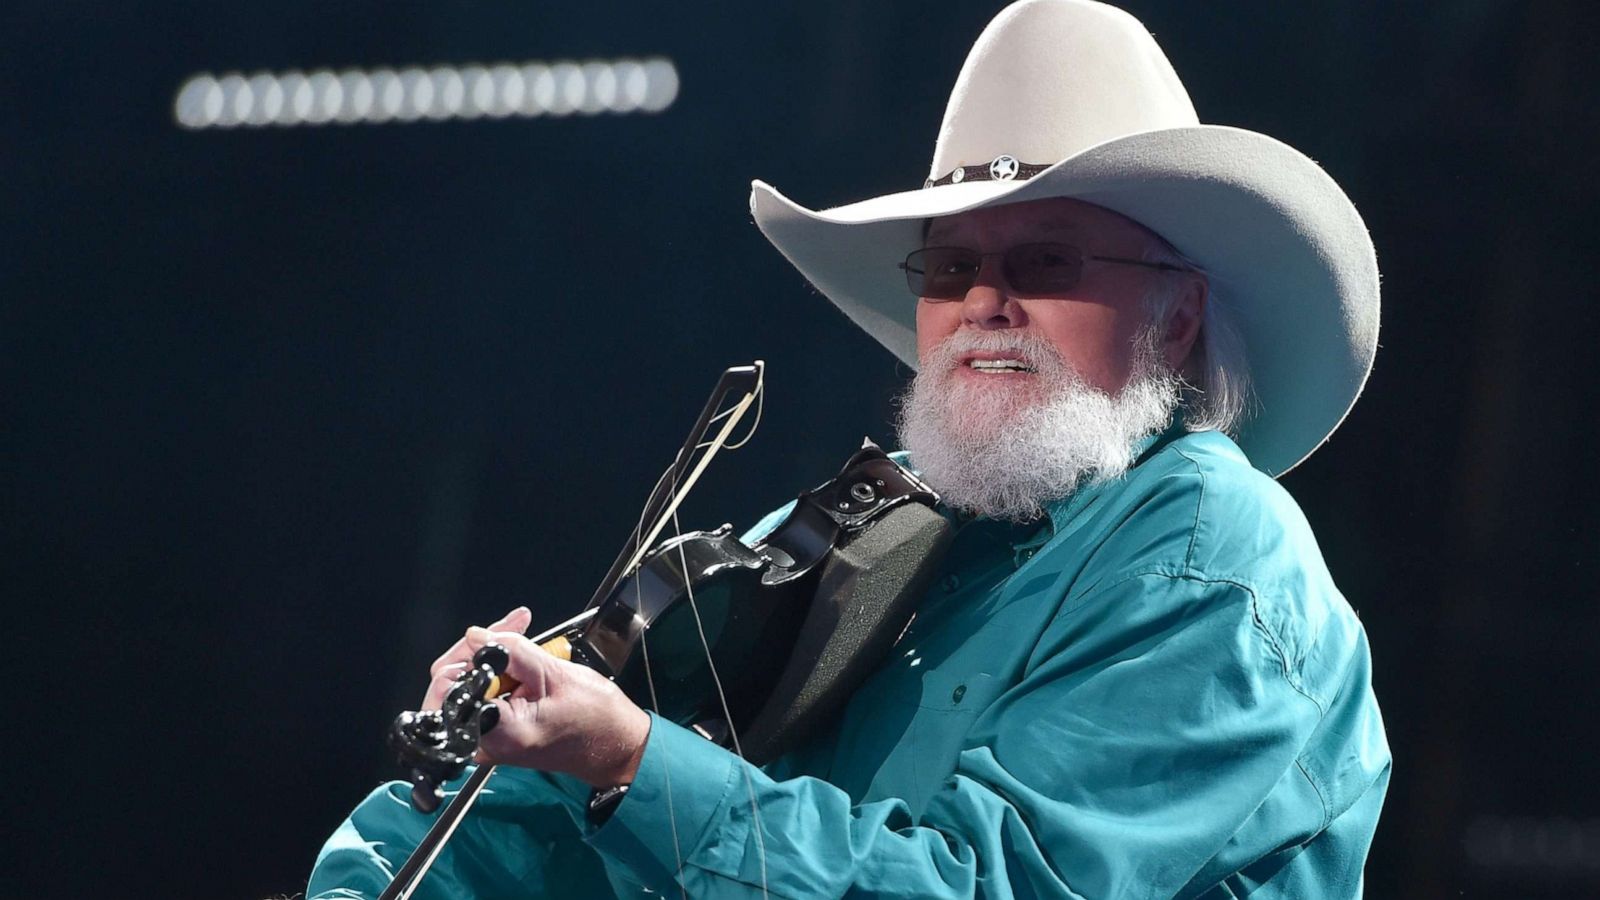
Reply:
x=1182, y=326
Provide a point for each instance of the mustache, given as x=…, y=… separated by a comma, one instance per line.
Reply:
x=1034, y=350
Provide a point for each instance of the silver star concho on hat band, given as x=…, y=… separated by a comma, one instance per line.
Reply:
x=1001, y=168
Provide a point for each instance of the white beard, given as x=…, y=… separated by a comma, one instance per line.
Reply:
x=1004, y=450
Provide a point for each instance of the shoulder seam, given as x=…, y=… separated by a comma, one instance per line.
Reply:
x=1194, y=533
x=1289, y=675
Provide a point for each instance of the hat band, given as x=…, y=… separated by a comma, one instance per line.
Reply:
x=1001, y=168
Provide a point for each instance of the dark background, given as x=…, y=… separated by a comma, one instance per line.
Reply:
x=286, y=408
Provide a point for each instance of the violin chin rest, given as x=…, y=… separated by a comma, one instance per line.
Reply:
x=866, y=594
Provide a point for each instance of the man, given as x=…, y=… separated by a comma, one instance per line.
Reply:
x=1136, y=678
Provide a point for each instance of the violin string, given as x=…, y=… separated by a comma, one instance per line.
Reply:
x=727, y=716
x=644, y=647
x=666, y=775
x=650, y=683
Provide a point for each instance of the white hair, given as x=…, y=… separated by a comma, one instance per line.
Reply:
x=1217, y=384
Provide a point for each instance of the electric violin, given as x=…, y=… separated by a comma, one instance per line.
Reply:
x=751, y=645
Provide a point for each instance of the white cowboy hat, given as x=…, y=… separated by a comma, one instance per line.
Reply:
x=1070, y=98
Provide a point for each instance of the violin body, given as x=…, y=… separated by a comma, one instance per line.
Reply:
x=649, y=629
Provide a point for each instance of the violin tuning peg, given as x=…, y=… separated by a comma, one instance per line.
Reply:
x=425, y=794
x=494, y=656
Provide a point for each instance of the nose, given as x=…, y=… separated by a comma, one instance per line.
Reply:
x=988, y=304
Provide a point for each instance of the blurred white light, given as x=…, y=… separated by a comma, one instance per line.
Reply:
x=296, y=99
x=442, y=92
x=602, y=88
x=661, y=79
x=508, y=89
x=541, y=89
x=358, y=96
x=631, y=85
x=388, y=95
x=449, y=93
x=235, y=100
x=478, y=92
x=569, y=89
x=199, y=102
x=418, y=95
x=326, y=96
x=267, y=95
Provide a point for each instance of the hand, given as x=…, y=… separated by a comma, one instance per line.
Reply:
x=562, y=717
x=453, y=663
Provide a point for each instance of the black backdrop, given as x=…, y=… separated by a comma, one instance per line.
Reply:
x=285, y=408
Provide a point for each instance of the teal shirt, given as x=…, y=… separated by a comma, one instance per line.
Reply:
x=1157, y=692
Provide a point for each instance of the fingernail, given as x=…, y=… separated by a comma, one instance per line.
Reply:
x=477, y=633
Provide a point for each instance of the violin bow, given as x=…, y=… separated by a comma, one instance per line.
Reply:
x=746, y=382
x=659, y=508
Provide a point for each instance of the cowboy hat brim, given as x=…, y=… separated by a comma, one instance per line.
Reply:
x=1284, y=248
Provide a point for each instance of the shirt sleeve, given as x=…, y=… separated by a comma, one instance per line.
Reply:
x=519, y=840
x=1158, y=718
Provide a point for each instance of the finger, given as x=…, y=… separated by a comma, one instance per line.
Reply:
x=528, y=663
x=598, y=737
x=515, y=734
x=477, y=638
x=516, y=620
x=439, y=685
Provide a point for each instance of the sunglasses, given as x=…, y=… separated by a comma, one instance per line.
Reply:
x=947, y=273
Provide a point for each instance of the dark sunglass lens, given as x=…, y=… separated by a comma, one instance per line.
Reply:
x=915, y=266
x=946, y=273
x=1044, y=268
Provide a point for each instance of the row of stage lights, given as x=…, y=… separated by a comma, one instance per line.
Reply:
x=437, y=93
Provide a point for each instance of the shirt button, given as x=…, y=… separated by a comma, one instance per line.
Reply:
x=958, y=693
x=950, y=583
